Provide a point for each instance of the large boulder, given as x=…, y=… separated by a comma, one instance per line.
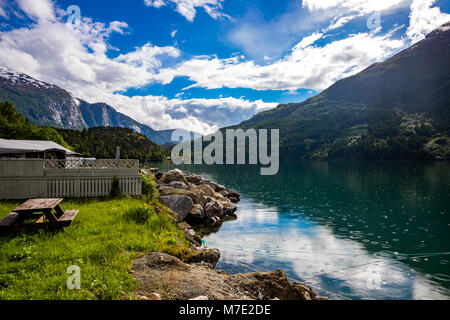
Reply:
x=196, y=215
x=213, y=208
x=179, y=204
x=233, y=196
x=208, y=257
x=195, y=179
x=178, y=185
x=174, y=175
x=195, y=195
x=206, y=190
x=229, y=209
x=215, y=186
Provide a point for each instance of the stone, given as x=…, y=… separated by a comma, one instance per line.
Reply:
x=212, y=221
x=155, y=296
x=206, y=190
x=190, y=233
x=200, y=298
x=215, y=186
x=233, y=194
x=196, y=215
x=174, y=175
x=179, y=204
x=223, y=193
x=178, y=185
x=213, y=208
x=160, y=261
x=229, y=209
x=195, y=195
x=208, y=257
x=234, y=200
x=195, y=179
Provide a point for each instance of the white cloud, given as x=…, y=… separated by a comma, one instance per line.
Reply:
x=424, y=18
x=173, y=33
x=187, y=8
x=362, y=6
x=37, y=9
x=306, y=66
x=76, y=59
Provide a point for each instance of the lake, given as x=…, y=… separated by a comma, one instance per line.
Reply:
x=350, y=230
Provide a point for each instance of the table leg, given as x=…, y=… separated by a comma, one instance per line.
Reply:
x=59, y=211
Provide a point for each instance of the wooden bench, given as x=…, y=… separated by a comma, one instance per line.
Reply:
x=66, y=219
x=9, y=220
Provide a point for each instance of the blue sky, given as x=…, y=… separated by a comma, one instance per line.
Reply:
x=205, y=64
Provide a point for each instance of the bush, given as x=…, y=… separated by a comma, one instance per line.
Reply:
x=149, y=190
x=139, y=215
x=115, y=188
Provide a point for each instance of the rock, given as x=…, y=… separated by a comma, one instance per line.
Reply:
x=195, y=195
x=139, y=297
x=175, y=280
x=195, y=179
x=159, y=175
x=155, y=296
x=178, y=185
x=196, y=215
x=260, y=296
x=213, y=208
x=234, y=196
x=190, y=233
x=179, y=204
x=209, y=257
x=212, y=221
x=232, y=193
x=159, y=261
x=215, y=186
x=229, y=209
x=223, y=193
x=207, y=190
x=174, y=175
x=200, y=298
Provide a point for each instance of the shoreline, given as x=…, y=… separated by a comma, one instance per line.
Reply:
x=197, y=203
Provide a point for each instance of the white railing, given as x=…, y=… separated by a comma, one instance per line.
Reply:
x=91, y=164
x=38, y=178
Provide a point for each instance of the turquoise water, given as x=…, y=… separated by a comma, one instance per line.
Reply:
x=349, y=230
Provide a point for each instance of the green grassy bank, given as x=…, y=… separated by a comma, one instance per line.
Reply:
x=104, y=239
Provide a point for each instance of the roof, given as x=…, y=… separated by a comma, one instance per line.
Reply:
x=24, y=146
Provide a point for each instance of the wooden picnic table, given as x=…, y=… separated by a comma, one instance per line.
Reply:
x=48, y=213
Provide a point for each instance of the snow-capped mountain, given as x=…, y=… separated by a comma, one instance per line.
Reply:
x=46, y=104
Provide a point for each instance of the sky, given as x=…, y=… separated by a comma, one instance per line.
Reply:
x=205, y=64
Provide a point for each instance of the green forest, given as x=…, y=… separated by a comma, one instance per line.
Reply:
x=98, y=142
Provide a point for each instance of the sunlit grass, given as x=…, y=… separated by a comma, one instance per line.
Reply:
x=102, y=241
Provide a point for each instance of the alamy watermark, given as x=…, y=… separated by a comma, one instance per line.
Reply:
x=74, y=280
x=374, y=21
x=235, y=153
x=74, y=13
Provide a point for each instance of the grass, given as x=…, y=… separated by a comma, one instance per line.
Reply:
x=102, y=241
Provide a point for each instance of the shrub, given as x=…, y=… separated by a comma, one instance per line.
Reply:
x=115, y=188
x=139, y=215
x=149, y=190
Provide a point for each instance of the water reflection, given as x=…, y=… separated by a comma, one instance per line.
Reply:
x=351, y=230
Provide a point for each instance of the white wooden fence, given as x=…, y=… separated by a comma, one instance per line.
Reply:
x=38, y=178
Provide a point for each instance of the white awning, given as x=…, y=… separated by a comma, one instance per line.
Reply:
x=29, y=146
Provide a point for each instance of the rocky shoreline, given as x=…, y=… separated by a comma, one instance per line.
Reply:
x=199, y=203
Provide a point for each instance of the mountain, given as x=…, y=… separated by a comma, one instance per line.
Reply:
x=45, y=104
x=396, y=109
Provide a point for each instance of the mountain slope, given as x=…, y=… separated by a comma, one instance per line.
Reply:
x=48, y=105
x=397, y=109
